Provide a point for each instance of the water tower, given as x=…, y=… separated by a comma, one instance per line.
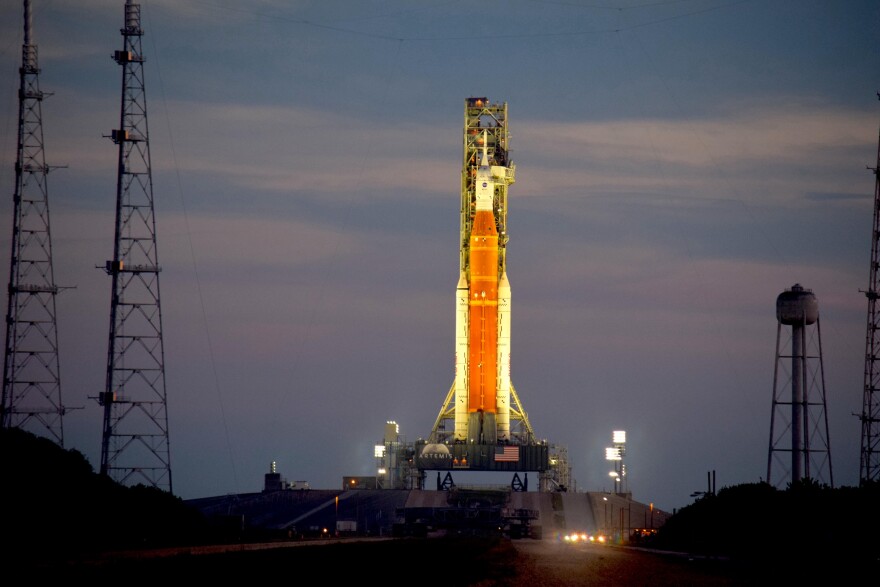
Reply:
x=799, y=416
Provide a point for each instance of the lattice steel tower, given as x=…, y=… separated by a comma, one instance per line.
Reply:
x=869, y=462
x=799, y=422
x=135, y=446
x=31, y=374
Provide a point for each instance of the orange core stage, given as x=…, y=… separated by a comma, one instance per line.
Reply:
x=483, y=314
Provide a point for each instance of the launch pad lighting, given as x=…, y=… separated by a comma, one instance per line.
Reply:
x=379, y=451
x=619, y=437
x=612, y=454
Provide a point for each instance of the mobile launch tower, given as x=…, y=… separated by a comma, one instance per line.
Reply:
x=482, y=424
x=134, y=445
x=31, y=374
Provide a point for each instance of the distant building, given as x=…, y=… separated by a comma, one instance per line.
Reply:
x=273, y=481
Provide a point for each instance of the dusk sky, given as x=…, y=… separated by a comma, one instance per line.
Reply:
x=679, y=164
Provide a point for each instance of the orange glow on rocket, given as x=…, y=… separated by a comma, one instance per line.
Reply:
x=481, y=398
x=483, y=314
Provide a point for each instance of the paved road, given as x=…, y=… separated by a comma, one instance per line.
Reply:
x=550, y=563
x=514, y=563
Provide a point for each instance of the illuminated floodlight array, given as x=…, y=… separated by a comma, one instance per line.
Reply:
x=615, y=454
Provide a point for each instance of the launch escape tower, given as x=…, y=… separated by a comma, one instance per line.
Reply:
x=869, y=461
x=31, y=374
x=135, y=446
x=482, y=424
x=803, y=417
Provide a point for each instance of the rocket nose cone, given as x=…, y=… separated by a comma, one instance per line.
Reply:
x=462, y=282
x=503, y=282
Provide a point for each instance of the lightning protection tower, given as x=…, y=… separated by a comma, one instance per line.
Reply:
x=135, y=446
x=869, y=462
x=799, y=422
x=31, y=374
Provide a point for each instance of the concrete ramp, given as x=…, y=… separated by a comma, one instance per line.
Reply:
x=419, y=498
x=374, y=511
x=560, y=513
x=529, y=500
x=577, y=512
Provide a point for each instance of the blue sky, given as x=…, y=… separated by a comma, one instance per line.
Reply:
x=679, y=164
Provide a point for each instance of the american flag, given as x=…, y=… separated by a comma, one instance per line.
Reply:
x=506, y=453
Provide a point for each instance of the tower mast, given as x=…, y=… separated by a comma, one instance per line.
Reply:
x=135, y=446
x=869, y=462
x=31, y=373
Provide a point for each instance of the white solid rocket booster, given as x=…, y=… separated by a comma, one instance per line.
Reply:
x=461, y=356
x=502, y=398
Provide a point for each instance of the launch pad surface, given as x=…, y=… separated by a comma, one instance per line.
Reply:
x=363, y=512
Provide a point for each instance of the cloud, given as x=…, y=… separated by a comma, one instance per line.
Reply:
x=695, y=156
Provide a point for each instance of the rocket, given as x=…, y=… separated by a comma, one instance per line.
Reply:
x=461, y=355
x=483, y=311
x=482, y=325
x=482, y=402
x=502, y=394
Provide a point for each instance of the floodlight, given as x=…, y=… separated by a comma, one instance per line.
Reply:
x=612, y=453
